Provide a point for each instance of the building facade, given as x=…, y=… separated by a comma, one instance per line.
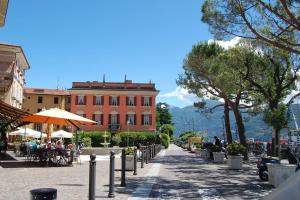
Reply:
x=115, y=106
x=13, y=64
x=37, y=99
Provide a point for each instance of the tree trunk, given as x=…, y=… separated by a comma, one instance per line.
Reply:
x=241, y=128
x=227, y=123
x=275, y=132
x=275, y=142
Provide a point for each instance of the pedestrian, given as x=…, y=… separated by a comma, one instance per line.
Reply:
x=217, y=141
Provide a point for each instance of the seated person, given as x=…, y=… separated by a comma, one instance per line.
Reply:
x=49, y=146
x=59, y=145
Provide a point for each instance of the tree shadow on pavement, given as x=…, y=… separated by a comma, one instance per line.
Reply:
x=197, y=178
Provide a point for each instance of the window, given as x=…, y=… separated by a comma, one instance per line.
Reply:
x=131, y=119
x=147, y=119
x=38, y=126
x=81, y=100
x=114, y=101
x=97, y=100
x=81, y=113
x=40, y=99
x=55, y=100
x=114, y=118
x=130, y=101
x=98, y=118
x=146, y=101
x=39, y=110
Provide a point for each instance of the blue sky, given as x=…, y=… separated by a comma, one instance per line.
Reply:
x=67, y=41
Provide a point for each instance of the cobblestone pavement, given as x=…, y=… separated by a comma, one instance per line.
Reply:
x=174, y=174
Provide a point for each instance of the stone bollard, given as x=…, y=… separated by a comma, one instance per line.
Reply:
x=123, y=171
x=135, y=163
x=92, y=178
x=111, y=193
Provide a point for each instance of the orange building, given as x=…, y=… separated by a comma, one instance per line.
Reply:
x=115, y=106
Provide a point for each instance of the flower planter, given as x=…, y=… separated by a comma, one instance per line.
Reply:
x=235, y=162
x=129, y=162
x=198, y=152
x=278, y=173
x=218, y=157
x=204, y=154
x=192, y=149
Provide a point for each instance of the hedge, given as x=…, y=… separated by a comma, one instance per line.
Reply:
x=121, y=139
x=96, y=137
x=136, y=138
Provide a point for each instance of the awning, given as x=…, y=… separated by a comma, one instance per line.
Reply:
x=11, y=116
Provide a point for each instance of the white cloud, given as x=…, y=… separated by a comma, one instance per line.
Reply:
x=226, y=44
x=182, y=95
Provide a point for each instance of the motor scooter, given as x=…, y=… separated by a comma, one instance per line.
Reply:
x=262, y=163
x=262, y=167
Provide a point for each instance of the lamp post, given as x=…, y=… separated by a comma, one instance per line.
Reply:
x=128, y=122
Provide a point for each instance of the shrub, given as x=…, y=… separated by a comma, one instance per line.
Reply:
x=165, y=139
x=116, y=139
x=235, y=149
x=135, y=138
x=129, y=151
x=87, y=142
x=200, y=146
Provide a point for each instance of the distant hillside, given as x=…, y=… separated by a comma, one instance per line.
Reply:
x=188, y=118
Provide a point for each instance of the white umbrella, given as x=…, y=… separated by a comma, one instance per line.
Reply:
x=61, y=134
x=25, y=132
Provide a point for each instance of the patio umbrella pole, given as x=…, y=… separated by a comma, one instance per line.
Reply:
x=76, y=135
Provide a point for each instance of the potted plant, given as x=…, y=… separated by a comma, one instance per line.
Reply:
x=198, y=148
x=235, y=151
x=201, y=151
x=217, y=154
x=129, y=161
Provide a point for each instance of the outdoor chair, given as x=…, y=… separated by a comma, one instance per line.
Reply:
x=76, y=156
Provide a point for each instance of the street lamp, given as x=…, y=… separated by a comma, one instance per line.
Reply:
x=128, y=122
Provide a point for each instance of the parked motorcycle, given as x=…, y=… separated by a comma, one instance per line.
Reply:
x=262, y=163
x=262, y=167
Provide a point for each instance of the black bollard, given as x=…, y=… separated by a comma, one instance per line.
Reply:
x=92, y=181
x=123, y=184
x=135, y=163
x=142, y=158
x=153, y=155
x=154, y=149
x=111, y=193
x=150, y=156
x=146, y=154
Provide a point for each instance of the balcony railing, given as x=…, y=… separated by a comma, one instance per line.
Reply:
x=114, y=127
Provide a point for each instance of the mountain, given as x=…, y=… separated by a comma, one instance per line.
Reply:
x=189, y=118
